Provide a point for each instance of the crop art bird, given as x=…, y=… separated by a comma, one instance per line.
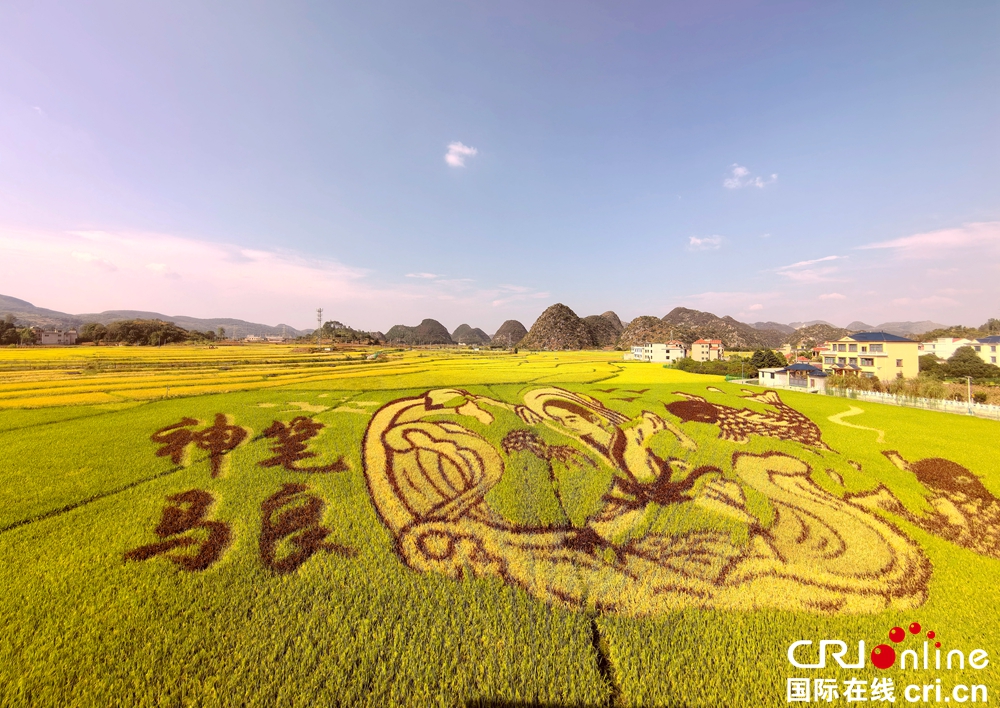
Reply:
x=738, y=424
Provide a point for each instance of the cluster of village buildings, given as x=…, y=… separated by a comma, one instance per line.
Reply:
x=879, y=354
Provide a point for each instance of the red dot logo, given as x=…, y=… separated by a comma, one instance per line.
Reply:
x=930, y=635
x=884, y=656
x=915, y=628
x=897, y=635
x=937, y=644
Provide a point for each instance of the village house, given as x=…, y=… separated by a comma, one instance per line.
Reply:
x=666, y=352
x=57, y=337
x=986, y=348
x=944, y=347
x=800, y=376
x=707, y=350
x=886, y=356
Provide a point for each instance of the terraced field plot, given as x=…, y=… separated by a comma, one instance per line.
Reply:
x=442, y=528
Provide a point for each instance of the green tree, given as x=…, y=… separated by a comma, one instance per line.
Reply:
x=766, y=359
x=931, y=366
x=966, y=362
x=92, y=332
x=8, y=330
x=28, y=336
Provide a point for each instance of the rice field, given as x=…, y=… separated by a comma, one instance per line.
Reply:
x=279, y=526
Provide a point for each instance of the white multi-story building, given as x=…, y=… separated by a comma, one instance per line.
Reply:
x=944, y=347
x=666, y=352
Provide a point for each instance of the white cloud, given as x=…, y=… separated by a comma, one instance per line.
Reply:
x=832, y=296
x=96, y=261
x=705, y=243
x=814, y=261
x=429, y=276
x=164, y=270
x=457, y=153
x=806, y=272
x=756, y=306
x=933, y=244
x=739, y=177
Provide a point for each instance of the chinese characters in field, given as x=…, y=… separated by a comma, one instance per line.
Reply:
x=291, y=526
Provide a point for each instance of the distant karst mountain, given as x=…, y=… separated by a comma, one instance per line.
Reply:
x=646, y=329
x=776, y=326
x=734, y=334
x=859, y=326
x=28, y=314
x=908, y=329
x=510, y=333
x=815, y=335
x=902, y=329
x=614, y=319
x=558, y=328
x=464, y=334
x=603, y=331
x=810, y=323
x=427, y=332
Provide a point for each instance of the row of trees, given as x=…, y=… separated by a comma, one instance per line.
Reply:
x=141, y=332
x=735, y=365
x=148, y=332
x=10, y=333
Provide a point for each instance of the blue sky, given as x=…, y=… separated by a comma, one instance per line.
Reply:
x=768, y=160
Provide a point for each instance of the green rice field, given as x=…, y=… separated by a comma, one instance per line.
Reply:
x=264, y=526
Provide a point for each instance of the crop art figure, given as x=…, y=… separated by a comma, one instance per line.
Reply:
x=183, y=525
x=429, y=474
x=290, y=447
x=219, y=439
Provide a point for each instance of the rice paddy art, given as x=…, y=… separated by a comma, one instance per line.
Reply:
x=460, y=529
x=429, y=477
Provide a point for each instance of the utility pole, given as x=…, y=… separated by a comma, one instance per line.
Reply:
x=968, y=380
x=319, y=324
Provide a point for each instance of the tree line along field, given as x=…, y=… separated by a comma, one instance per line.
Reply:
x=432, y=528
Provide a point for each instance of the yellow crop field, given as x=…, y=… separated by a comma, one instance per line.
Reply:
x=287, y=526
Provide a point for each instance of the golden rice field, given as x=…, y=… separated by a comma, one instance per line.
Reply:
x=266, y=525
